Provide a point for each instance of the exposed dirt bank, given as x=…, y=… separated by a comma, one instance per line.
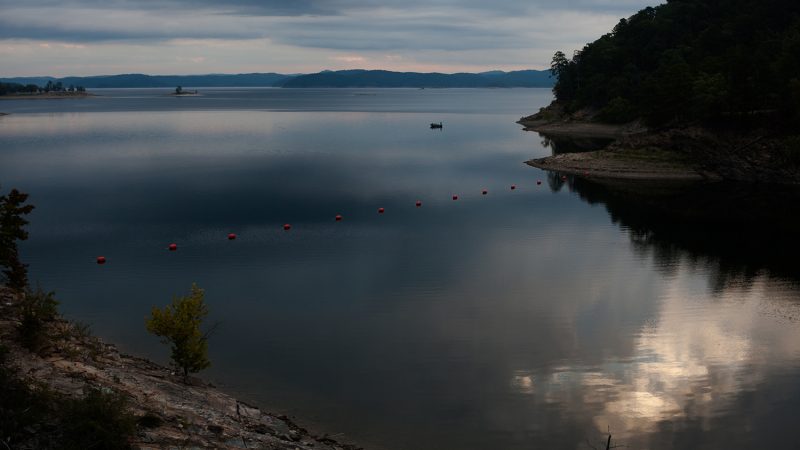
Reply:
x=620, y=165
x=553, y=121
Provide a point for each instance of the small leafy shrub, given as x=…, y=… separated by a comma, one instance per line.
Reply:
x=790, y=151
x=98, y=420
x=21, y=407
x=178, y=324
x=37, y=308
x=149, y=420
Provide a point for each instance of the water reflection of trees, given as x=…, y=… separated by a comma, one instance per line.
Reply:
x=734, y=232
x=698, y=367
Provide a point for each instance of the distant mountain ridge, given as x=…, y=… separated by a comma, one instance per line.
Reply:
x=341, y=78
x=385, y=78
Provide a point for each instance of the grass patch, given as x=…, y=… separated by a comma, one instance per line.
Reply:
x=35, y=417
x=648, y=155
x=789, y=152
x=98, y=420
x=37, y=308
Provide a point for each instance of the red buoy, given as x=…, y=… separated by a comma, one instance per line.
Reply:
x=287, y=227
x=484, y=192
x=101, y=260
x=455, y=197
x=231, y=236
x=380, y=210
x=338, y=217
x=538, y=182
x=563, y=178
x=419, y=203
x=586, y=173
x=173, y=247
x=513, y=186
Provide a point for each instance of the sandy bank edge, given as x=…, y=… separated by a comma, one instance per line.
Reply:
x=604, y=164
x=574, y=129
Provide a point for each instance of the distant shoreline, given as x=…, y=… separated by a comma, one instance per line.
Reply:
x=47, y=96
x=341, y=78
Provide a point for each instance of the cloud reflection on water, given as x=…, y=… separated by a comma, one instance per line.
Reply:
x=515, y=320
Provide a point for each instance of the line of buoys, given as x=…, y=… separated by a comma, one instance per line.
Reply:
x=232, y=236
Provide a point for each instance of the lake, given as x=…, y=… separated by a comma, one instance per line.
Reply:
x=540, y=317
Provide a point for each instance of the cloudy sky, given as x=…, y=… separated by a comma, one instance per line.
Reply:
x=91, y=37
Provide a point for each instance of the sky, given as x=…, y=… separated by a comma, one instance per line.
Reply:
x=94, y=37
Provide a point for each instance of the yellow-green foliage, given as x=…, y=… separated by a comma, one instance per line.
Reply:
x=178, y=324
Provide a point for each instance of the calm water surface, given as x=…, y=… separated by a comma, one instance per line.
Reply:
x=534, y=318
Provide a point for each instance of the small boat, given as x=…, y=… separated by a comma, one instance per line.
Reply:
x=436, y=125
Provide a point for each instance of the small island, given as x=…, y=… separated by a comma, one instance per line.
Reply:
x=686, y=90
x=181, y=92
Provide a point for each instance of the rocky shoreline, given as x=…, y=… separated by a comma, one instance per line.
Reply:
x=181, y=415
x=683, y=153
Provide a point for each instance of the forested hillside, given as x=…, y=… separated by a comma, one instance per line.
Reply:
x=714, y=62
x=385, y=78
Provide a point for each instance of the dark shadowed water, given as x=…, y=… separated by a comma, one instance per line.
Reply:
x=535, y=318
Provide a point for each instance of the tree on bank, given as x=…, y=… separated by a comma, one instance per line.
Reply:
x=179, y=325
x=12, y=229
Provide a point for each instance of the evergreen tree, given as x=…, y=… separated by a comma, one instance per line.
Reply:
x=12, y=229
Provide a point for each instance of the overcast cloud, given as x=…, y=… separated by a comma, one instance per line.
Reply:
x=89, y=37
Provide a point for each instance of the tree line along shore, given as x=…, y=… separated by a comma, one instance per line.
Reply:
x=49, y=90
x=711, y=88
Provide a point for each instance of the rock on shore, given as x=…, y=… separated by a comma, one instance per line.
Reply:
x=193, y=415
